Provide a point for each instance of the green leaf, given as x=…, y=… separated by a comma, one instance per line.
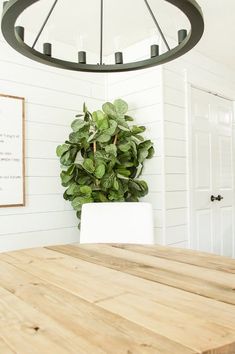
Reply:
x=115, y=184
x=78, y=124
x=110, y=110
x=79, y=136
x=85, y=200
x=142, y=155
x=123, y=172
x=73, y=189
x=86, y=190
x=111, y=149
x=69, y=157
x=61, y=149
x=137, y=129
x=128, y=118
x=112, y=127
x=65, y=177
x=147, y=144
x=85, y=110
x=102, y=197
x=104, y=138
x=93, y=136
x=151, y=153
x=124, y=147
x=88, y=165
x=76, y=204
x=100, y=171
x=107, y=180
x=100, y=120
x=121, y=106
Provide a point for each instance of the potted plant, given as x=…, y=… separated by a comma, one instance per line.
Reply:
x=103, y=158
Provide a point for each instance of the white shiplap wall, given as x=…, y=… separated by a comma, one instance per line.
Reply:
x=202, y=72
x=143, y=92
x=53, y=97
x=159, y=98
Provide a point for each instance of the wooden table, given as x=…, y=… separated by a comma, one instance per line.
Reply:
x=116, y=299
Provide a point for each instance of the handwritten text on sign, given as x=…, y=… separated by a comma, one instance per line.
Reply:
x=11, y=151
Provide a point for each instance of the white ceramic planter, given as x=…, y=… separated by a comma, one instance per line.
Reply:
x=117, y=223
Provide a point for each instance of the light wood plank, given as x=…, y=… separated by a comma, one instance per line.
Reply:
x=4, y=348
x=144, y=303
x=187, y=302
x=205, y=260
x=200, y=335
x=106, y=331
x=76, y=276
x=207, y=282
x=28, y=331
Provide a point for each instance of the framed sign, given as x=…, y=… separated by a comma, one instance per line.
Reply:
x=12, y=151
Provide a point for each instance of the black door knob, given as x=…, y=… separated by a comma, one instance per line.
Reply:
x=219, y=198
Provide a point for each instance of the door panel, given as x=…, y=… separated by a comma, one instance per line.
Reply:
x=226, y=217
x=204, y=230
x=212, y=174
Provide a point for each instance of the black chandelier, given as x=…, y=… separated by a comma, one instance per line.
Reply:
x=14, y=35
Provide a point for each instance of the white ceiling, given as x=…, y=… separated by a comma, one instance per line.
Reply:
x=76, y=22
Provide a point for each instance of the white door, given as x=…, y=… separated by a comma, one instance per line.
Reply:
x=212, y=213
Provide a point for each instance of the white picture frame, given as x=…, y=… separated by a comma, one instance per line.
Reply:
x=12, y=151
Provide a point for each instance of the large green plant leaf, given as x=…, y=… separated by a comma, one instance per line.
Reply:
x=74, y=189
x=110, y=110
x=137, y=129
x=88, y=165
x=61, y=149
x=69, y=157
x=86, y=190
x=100, y=120
x=112, y=127
x=121, y=106
x=111, y=149
x=107, y=180
x=104, y=138
x=78, y=124
x=65, y=178
x=124, y=147
x=100, y=171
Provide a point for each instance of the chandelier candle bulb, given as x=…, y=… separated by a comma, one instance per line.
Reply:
x=47, y=49
x=182, y=34
x=82, y=57
x=118, y=58
x=20, y=32
x=154, y=50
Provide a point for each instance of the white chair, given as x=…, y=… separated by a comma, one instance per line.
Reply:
x=117, y=223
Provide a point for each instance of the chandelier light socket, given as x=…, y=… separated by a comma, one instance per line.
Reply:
x=154, y=50
x=82, y=57
x=47, y=49
x=118, y=58
x=182, y=34
x=20, y=32
x=4, y=4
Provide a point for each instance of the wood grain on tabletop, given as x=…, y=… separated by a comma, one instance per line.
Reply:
x=116, y=299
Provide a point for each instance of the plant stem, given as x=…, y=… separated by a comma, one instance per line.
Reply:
x=115, y=139
x=94, y=147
